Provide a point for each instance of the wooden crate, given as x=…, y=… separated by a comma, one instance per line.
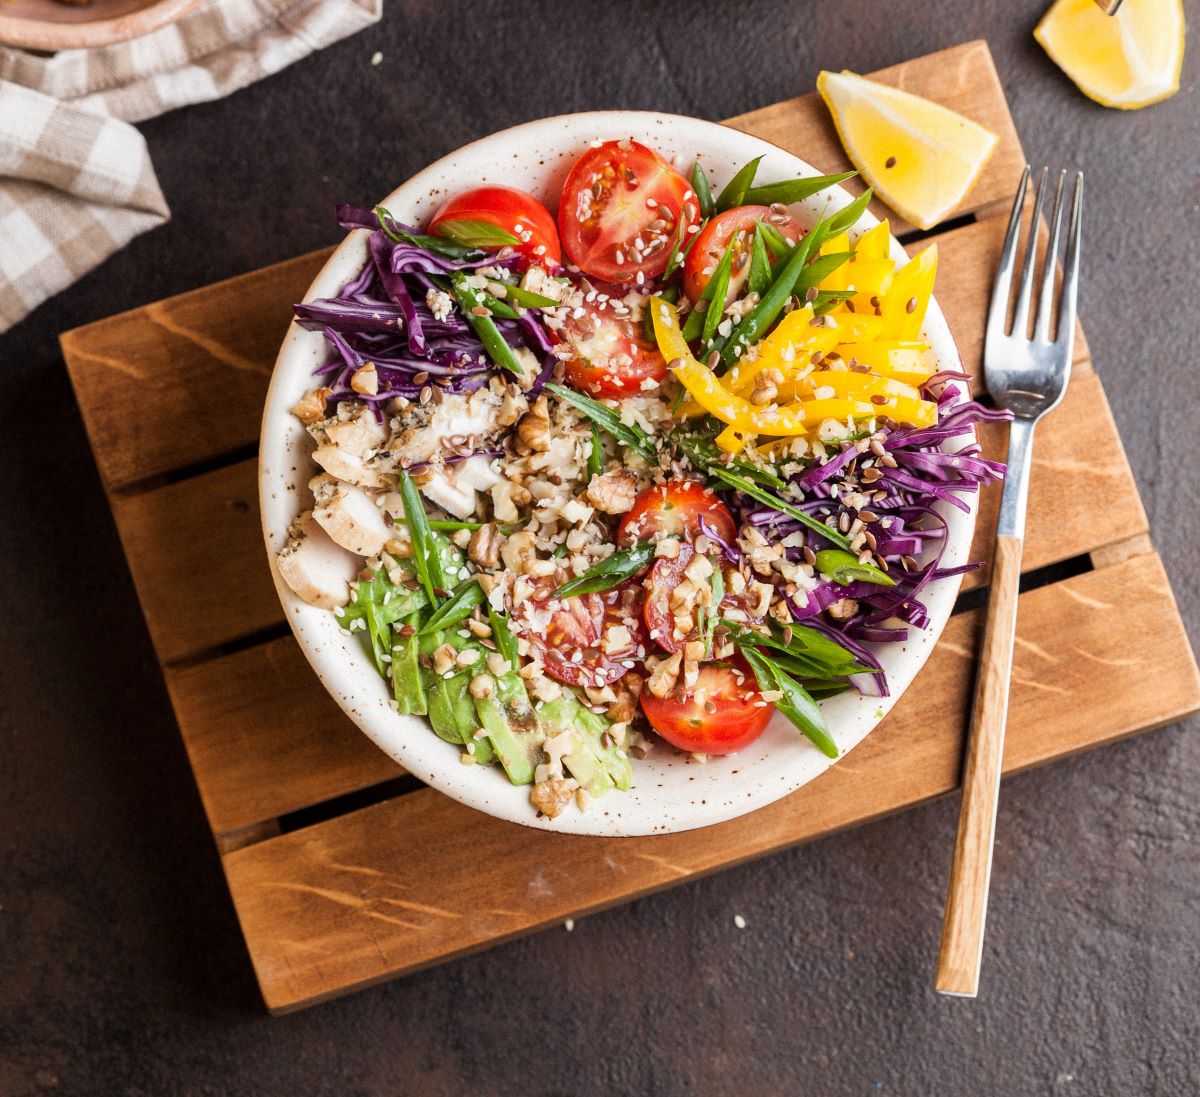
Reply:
x=345, y=872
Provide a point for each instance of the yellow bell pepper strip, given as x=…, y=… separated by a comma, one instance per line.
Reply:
x=788, y=348
x=705, y=388
x=854, y=327
x=838, y=408
x=834, y=246
x=871, y=279
x=900, y=361
x=859, y=385
x=732, y=441
x=874, y=243
x=920, y=413
x=907, y=298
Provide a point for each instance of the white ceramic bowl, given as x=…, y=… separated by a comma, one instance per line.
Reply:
x=668, y=794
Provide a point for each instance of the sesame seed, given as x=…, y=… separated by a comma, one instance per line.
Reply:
x=739, y=921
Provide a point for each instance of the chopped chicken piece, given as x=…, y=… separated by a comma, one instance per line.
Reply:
x=355, y=429
x=344, y=465
x=453, y=487
x=314, y=567
x=349, y=515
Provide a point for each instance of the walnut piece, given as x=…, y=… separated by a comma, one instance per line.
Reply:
x=663, y=674
x=550, y=797
x=310, y=408
x=843, y=609
x=533, y=429
x=485, y=545
x=613, y=492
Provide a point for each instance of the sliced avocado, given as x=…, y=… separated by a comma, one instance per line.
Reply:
x=451, y=706
x=408, y=686
x=612, y=762
x=508, y=718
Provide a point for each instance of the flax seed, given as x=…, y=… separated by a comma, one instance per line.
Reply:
x=810, y=557
x=890, y=162
x=911, y=306
x=878, y=398
x=868, y=516
x=426, y=395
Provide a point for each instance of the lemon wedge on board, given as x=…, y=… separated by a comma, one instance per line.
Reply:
x=921, y=158
x=1128, y=60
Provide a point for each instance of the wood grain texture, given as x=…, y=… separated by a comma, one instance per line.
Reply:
x=963, y=78
x=971, y=868
x=196, y=552
x=391, y=888
x=264, y=737
x=196, y=365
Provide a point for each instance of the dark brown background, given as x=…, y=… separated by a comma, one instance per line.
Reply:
x=121, y=968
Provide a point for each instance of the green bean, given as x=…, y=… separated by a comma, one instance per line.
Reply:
x=734, y=193
x=703, y=190
x=484, y=326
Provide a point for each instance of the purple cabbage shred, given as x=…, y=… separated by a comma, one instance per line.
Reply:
x=906, y=527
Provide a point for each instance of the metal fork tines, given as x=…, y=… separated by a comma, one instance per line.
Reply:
x=1028, y=375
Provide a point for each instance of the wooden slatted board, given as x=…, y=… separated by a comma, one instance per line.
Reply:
x=344, y=876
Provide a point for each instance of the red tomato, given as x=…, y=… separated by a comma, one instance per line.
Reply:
x=620, y=210
x=675, y=509
x=721, y=713
x=611, y=358
x=568, y=634
x=737, y=225
x=512, y=210
x=660, y=584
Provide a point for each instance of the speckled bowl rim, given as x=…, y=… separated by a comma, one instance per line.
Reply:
x=669, y=793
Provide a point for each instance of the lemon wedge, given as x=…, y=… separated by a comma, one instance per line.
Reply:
x=921, y=158
x=1128, y=60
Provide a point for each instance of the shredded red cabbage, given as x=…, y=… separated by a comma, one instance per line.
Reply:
x=381, y=317
x=906, y=529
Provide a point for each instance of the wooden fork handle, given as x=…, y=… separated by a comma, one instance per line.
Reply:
x=966, y=901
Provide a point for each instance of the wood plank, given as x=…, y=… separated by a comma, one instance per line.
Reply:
x=196, y=366
x=963, y=78
x=385, y=890
x=264, y=737
x=198, y=560
x=1082, y=494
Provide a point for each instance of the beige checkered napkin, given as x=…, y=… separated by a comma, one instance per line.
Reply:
x=76, y=183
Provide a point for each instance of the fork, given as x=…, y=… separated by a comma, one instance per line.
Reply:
x=1028, y=376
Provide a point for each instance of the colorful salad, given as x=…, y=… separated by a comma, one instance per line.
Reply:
x=645, y=472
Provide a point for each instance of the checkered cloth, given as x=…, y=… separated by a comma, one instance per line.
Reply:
x=76, y=182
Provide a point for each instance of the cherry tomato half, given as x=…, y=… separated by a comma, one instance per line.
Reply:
x=721, y=713
x=675, y=509
x=610, y=356
x=513, y=210
x=736, y=225
x=570, y=640
x=620, y=209
x=665, y=575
